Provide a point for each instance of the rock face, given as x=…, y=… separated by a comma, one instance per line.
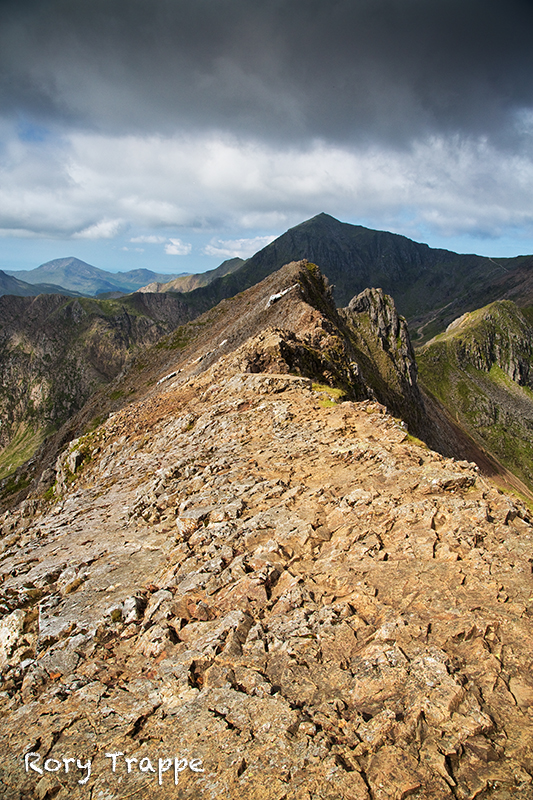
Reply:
x=244, y=589
x=391, y=366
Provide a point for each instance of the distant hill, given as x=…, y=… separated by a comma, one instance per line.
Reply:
x=75, y=275
x=14, y=286
x=187, y=283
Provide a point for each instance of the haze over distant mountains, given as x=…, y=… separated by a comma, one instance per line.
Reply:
x=77, y=276
x=11, y=285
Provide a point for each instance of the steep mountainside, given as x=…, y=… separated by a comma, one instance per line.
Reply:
x=516, y=281
x=481, y=369
x=430, y=287
x=55, y=352
x=71, y=274
x=187, y=283
x=240, y=588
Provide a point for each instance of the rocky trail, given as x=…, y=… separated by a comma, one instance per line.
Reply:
x=246, y=590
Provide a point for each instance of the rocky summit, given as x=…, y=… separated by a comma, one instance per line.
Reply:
x=238, y=587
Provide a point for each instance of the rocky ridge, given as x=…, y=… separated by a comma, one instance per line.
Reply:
x=246, y=589
x=430, y=287
x=364, y=352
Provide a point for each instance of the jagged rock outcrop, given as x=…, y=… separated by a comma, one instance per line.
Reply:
x=383, y=342
x=390, y=328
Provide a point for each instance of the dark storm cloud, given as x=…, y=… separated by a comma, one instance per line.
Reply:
x=345, y=70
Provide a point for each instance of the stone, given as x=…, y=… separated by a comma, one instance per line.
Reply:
x=10, y=632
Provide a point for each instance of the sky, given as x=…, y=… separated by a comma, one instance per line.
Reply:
x=173, y=134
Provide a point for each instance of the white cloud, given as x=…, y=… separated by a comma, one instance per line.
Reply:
x=90, y=186
x=178, y=248
x=241, y=248
x=149, y=239
x=105, y=229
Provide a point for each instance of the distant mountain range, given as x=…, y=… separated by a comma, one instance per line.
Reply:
x=14, y=286
x=431, y=287
x=70, y=275
x=187, y=283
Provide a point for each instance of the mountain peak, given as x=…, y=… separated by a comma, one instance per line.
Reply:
x=64, y=263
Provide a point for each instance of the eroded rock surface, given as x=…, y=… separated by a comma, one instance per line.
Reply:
x=241, y=589
x=295, y=599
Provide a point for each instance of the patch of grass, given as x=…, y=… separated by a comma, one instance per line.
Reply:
x=86, y=445
x=50, y=494
x=96, y=422
x=15, y=484
x=502, y=378
x=335, y=395
x=414, y=440
x=177, y=340
x=20, y=449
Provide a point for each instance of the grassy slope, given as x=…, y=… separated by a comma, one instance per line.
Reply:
x=481, y=369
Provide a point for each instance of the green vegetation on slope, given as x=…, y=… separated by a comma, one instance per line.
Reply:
x=481, y=370
x=21, y=447
x=55, y=352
